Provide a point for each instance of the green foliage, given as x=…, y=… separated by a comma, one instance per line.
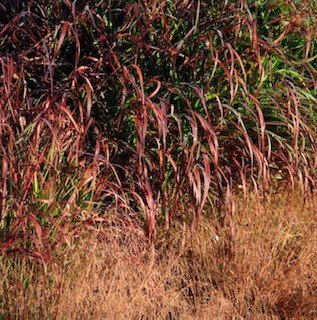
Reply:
x=134, y=105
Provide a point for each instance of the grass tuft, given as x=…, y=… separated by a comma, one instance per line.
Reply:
x=112, y=273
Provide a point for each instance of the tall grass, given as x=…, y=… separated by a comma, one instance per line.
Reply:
x=109, y=273
x=132, y=108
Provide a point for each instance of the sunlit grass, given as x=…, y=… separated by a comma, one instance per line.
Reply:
x=265, y=269
x=155, y=114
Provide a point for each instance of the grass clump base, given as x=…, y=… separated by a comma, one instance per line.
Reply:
x=260, y=266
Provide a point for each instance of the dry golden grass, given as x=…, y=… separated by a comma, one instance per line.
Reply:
x=266, y=271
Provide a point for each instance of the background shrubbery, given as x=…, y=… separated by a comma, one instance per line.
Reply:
x=138, y=108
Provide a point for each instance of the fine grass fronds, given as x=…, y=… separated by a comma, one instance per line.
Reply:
x=111, y=273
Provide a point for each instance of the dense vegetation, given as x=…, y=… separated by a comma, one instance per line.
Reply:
x=149, y=136
x=135, y=108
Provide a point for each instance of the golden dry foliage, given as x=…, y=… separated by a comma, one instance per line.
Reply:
x=262, y=265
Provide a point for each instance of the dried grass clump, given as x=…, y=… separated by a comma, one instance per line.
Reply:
x=111, y=273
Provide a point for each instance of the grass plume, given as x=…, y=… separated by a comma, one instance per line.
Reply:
x=111, y=273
